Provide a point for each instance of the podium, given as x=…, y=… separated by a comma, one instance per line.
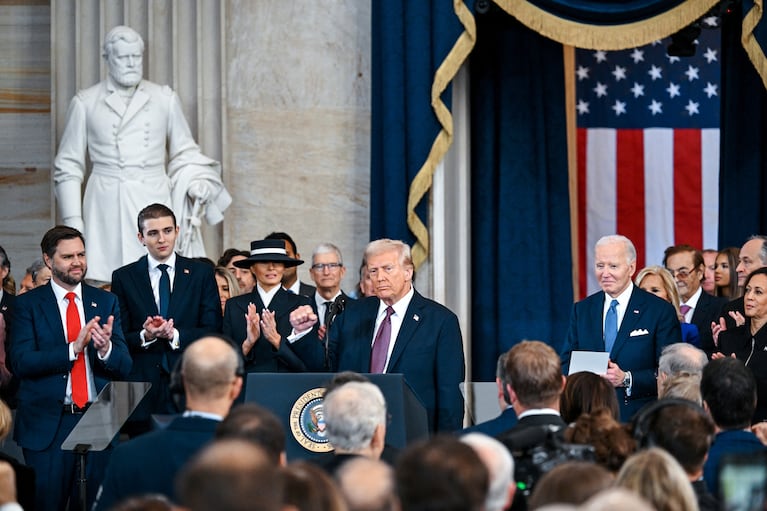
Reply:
x=296, y=399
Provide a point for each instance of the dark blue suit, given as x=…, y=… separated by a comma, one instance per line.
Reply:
x=149, y=463
x=494, y=427
x=428, y=351
x=263, y=357
x=649, y=324
x=727, y=442
x=194, y=307
x=40, y=359
x=707, y=310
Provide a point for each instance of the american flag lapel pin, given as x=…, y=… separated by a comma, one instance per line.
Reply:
x=186, y=270
x=5, y=308
x=415, y=317
x=93, y=304
x=636, y=311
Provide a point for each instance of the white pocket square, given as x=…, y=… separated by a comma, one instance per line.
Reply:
x=640, y=331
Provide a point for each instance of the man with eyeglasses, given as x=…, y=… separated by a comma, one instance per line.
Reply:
x=327, y=271
x=686, y=265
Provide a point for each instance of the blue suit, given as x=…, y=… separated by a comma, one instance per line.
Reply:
x=194, y=307
x=730, y=441
x=649, y=324
x=494, y=427
x=40, y=359
x=428, y=351
x=149, y=463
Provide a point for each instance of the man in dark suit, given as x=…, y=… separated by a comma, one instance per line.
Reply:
x=327, y=271
x=259, y=322
x=148, y=464
x=686, y=265
x=290, y=277
x=66, y=344
x=167, y=301
x=420, y=338
x=508, y=417
x=629, y=323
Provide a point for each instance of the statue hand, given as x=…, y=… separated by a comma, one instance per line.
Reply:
x=200, y=190
x=76, y=222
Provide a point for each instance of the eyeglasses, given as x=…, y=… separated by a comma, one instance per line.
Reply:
x=682, y=272
x=323, y=266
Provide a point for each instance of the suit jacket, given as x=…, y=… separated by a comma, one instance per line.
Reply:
x=649, y=324
x=738, y=340
x=428, y=351
x=150, y=462
x=194, y=307
x=40, y=358
x=6, y=307
x=494, y=427
x=306, y=290
x=707, y=310
x=528, y=431
x=736, y=305
x=264, y=357
x=727, y=442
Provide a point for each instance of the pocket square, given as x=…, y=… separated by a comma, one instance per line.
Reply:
x=638, y=332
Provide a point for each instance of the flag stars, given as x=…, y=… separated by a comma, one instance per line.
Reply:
x=600, y=55
x=710, y=55
x=692, y=73
x=655, y=72
x=711, y=89
x=637, y=56
x=673, y=90
x=692, y=107
x=619, y=73
x=637, y=90
x=619, y=107
x=711, y=21
x=582, y=73
x=672, y=59
x=582, y=107
x=600, y=90
x=656, y=107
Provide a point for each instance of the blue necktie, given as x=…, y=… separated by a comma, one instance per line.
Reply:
x=611, y=326
x=164, y=290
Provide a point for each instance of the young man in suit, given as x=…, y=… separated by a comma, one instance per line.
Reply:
x=66, y=344
x=397, y=331
x=167, y=301
x=629, y=323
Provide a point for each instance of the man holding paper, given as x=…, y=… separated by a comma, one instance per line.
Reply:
x=630, y=324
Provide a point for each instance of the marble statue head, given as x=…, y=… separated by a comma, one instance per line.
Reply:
x=124, y=52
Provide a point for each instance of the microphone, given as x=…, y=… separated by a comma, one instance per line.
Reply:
x=335, y=308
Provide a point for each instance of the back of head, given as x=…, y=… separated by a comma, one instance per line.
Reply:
x=572, y=482
x=585, y=392
x=353, y=411
x=441, y=474
x=611, y=441
x=656, y=476
x=682, y=357
x=231, y=475
x=728, y=389
x=309, y=488
x=535, y=371
x=367, y=485
x=209, y=366
x=256, y=424
x=616, y=498
x=500, y=466
x=682, y=386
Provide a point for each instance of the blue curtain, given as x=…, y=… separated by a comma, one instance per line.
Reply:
x=521, y=278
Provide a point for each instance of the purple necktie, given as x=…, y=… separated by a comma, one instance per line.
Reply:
x=684, y=309
x=381, y=344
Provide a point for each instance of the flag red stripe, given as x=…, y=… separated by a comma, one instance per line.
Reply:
x=688, y=188
x=582, y=135
x=630, y=214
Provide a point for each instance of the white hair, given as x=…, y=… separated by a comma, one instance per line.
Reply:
x=500, y=466
x=631, y=251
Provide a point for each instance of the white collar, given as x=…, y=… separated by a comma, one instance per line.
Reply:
x=153, y=263
x=693, y=301
x=61, y=292
x=400, y=307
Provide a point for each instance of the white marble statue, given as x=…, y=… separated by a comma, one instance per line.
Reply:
x=129, y=127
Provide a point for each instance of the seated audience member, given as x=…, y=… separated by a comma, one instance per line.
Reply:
x=656, y=476
x=441, y=473
x=148, y=463
x=585, y=392
x=611, y=441
x=748, y=342
x=616, y=498
x=309, y=488
x=709, y=264
x=685, y=431
x=680, y=358
x=508, y=417
x=355, y=421
x=729, y=394
x=572, y=482
x=227, y=286
x=682, y=386
x=244, y=277
x=231, y=475
x=500, y=468
x=725, y=275
x=658, y=281
x=252, y=422
x=24, y=476
x=368, y=485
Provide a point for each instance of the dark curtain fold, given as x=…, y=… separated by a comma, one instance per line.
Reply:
x=743, y=161
x=520, y=218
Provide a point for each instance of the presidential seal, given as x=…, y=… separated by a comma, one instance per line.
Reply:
x=307, y=422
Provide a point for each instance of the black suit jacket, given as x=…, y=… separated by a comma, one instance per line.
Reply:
x=306, y=290
x=708, y=310
x=264, y=357
x=194, y=307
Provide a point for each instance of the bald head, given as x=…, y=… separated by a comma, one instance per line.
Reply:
x=367, y=485
x=209, y=368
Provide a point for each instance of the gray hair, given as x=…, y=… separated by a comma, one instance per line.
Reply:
x=500, y=467
x=120, y=33
x=327, y=248
x=631, y=251
x=682, y=357
x=34, y=268
x=352, y=413
x=763, y=250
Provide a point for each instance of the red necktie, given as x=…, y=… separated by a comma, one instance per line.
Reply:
x=79, y=381
x=381, y=344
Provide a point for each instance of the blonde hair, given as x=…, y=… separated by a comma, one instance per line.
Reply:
x=6, y=420
x=658, y=477
x=668, y=283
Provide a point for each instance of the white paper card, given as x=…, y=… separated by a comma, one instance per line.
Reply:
x=591, y=361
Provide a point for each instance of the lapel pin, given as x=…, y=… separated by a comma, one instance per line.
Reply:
x=5, y=307
x=415, y=317
x=93, y=304
x=186, y=270
x=636, y=311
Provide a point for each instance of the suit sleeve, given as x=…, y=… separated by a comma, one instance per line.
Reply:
x=208, y=313
x=450, y=371
x=571, y=342
x=28, y=358
x=130, y=334
x=119, y=363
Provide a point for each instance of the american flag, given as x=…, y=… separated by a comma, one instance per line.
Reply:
x=648, y=148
